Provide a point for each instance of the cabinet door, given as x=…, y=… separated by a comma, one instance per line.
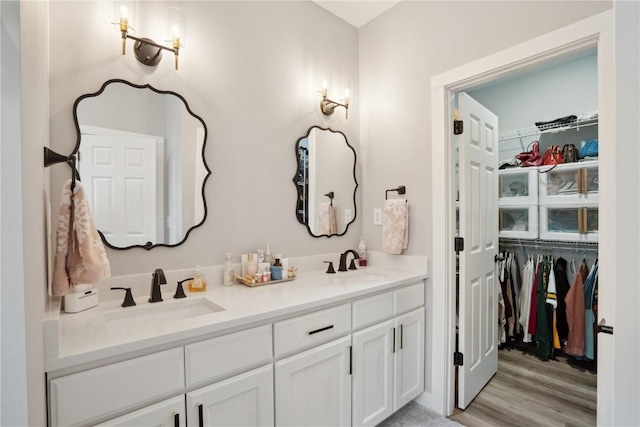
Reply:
x=373, y=374
x=168, y=413
x=313, y=388
x=408, y=376
x=243, y=400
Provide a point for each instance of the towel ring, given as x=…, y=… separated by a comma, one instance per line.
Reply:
x=401, y=190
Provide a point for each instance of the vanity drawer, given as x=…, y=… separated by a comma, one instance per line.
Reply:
x=226, y=355
x=408, y=298
x=89, y=395
x=311, y=329
x=368, y=311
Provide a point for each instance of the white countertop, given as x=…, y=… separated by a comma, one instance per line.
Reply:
x=85, y=337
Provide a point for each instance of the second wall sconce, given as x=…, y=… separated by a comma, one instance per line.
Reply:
x=147, y=51
x=328, y=106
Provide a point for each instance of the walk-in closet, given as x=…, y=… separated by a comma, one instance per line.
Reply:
x=546, y=269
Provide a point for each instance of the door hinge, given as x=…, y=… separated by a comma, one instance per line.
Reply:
x=458, y=127
x=458, y=244
x=458, y=359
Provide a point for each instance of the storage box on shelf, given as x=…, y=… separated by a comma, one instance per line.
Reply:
x=570, y=183
x=565, y=206
x=518, y=187
x=568, y=202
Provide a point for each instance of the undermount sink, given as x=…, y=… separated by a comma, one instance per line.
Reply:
x=358, y=276
x=160, y=313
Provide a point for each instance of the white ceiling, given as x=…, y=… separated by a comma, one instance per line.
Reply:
x=356, y=12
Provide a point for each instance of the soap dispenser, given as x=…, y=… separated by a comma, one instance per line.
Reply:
x=362, y=253
x=199, y=282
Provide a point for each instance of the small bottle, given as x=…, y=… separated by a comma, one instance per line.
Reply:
x=276, y=269
x=227, y=274
x=362, y=253
x=199, y=282
x=267, y=256
x=252, y=266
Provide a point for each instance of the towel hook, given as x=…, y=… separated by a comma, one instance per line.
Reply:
x=330, y=196
x=53, y=158
x=401, y=190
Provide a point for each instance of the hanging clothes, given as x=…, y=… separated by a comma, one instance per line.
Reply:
x=575, y=312
x=525, y=298
x=562, y=288
x=544, y=314
x=589, y=318
x=533, y=313
x=516, y=285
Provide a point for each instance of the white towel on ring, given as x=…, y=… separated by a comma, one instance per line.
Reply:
x=326, y=219
x=395, y=226
x=80, y=256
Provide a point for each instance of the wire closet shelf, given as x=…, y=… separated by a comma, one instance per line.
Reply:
x=528, y=135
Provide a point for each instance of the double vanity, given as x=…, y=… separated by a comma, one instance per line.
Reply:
x=324, y=349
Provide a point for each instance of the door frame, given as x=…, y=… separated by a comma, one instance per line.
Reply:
x=595, y=31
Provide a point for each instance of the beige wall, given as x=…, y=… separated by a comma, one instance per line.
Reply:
x=251, y=70
x=399, y=53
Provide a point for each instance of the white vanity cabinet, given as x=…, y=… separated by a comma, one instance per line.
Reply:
x=168, y=413
x=388, y=357
x=408, y=374
x=354, y=363
x=85, y=397
x=245, y=400
x=313, y=388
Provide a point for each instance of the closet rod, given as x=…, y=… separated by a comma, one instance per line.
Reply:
x=550, y=244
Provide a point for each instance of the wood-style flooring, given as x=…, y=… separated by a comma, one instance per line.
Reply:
x=527, y=391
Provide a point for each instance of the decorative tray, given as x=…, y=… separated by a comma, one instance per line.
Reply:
x=252, y=282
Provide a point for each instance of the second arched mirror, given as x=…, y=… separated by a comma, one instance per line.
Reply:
x=326, y=182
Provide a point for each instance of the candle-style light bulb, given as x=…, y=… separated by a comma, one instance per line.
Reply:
x=124, y=26
x=346, y=97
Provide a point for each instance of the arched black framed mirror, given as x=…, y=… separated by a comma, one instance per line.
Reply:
x=141, y=159
x=326, y=182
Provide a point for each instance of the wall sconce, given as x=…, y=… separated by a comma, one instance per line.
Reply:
x=147, y=51
x=328, y=106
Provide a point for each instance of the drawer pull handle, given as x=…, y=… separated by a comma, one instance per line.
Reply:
x=321, y=330
x=200, y=417
x=176, y=419
x=401, y=337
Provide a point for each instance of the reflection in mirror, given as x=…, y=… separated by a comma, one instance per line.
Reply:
x=326, y=182
x=141, y=160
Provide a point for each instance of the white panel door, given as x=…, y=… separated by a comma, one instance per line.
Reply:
x=478, y=312
x=119, y=176
x=168, y=413
x=408, y=375
x=313, y=388
x=373, y=374
x=244, y=400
